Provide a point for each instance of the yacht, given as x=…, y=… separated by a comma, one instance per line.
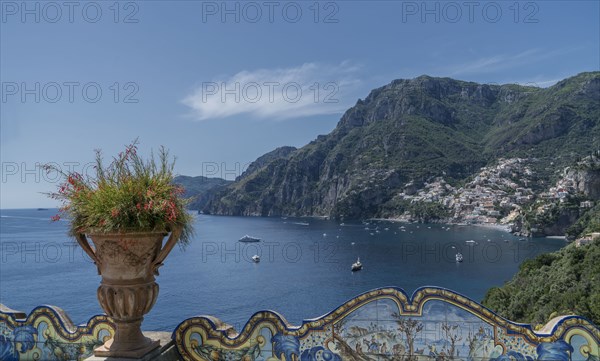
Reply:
x=248, y=238
x=459, y=257
x=357, y=266
x=256, y=258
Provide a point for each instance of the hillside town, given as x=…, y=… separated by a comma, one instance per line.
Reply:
x=499, y=195
x=494, y=196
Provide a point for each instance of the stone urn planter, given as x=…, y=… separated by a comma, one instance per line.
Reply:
x=126, y=209
x=128, y=263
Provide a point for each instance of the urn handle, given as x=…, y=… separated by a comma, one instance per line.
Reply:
x=85, y=244
x=164, y=252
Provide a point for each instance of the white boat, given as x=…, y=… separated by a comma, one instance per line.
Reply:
x=248, y=238
x=256, y=258
x=357, y=266
x=459, y=257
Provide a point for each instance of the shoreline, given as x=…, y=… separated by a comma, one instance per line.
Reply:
x=501, y=227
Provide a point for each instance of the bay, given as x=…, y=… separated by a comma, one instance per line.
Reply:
x=304, y=270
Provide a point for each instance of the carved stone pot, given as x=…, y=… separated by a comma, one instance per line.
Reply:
x=128, y=263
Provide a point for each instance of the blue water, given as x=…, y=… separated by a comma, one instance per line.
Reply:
x=304, y=271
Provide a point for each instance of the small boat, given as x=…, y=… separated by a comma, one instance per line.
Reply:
x=522, y=239
x=357, y=266
x=459, y=257
x=248, y=238
x=256, y=258
x=471, y=242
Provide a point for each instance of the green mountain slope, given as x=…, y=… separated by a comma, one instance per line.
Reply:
x=411, y=131
x=560, y=283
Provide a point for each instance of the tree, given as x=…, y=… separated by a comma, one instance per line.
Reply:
x=410, y=328
x=452, y=335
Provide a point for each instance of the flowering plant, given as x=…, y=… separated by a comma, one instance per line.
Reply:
x=130, y=194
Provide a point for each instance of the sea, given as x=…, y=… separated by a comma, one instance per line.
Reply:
x=304, y=271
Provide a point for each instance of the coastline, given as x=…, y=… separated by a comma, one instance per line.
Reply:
x=501, y=227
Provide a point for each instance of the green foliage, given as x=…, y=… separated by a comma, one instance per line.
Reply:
x=428, y=211
x=129, y=195
x=560, y=283
x=588, y=223
x=423, y=211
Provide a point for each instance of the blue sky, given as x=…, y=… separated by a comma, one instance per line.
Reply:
x=169, y=72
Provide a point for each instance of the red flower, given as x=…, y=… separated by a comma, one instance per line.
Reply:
x=55, y=218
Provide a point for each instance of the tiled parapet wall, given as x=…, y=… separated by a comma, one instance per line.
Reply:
x=48, y=334
x=433, y=325
x=385, y=324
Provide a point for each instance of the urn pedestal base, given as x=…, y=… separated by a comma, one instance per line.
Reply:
x=129, y=342
x=126, y=303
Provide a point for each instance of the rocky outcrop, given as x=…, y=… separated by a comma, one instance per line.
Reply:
x=558, y=227
x=586, y=178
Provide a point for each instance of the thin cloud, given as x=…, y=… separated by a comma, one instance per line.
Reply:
x=503, y=61
x=306, y=90
x=497, y=62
